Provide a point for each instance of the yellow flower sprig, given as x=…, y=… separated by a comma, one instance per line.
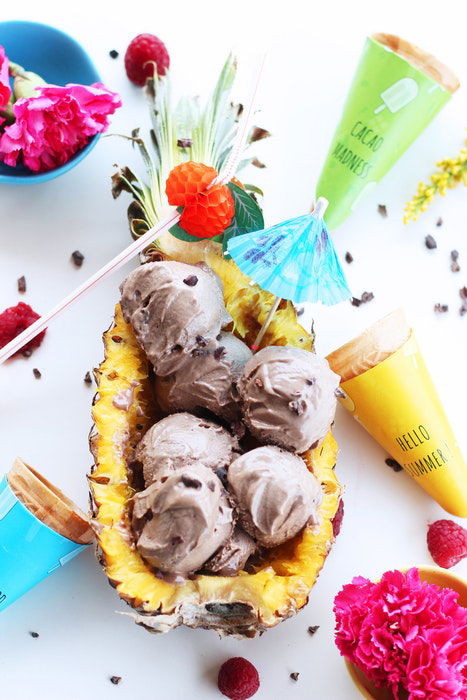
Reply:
x=451, y=172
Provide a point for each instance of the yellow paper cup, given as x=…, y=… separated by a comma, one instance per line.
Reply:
x=388, y=389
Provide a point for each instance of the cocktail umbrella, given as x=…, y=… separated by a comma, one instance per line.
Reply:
x=293, y=260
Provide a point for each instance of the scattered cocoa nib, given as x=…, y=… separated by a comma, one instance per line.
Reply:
x=22, y=284
x=300, y=311
x=364, y=299
x=34, y=635
x=430, y=242
x=77, y=258
x=191, y=280
x=454, y=254
x=113, y=53
x=184, y=143
x=257, y=133
x=312, y=629
x=257, y=163
x=88, y=378
x=455, y=267
x=339, y=394
x=441, y=308
x=115, y=679
x=36, y=373
x=393, y=464
x=439, y=222
x=382, y=209
x=297, y=407
x=348, y=257
x=294, y=676
x=463, y=296
x=26, y=353
x=219, y=352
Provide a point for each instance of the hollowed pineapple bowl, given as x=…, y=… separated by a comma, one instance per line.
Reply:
x=251, y=602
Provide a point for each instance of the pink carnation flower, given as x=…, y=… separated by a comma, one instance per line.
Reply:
x=405, y=634
x=53, y=126
x=5, y=90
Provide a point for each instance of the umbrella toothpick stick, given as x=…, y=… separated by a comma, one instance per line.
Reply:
x=318, y=213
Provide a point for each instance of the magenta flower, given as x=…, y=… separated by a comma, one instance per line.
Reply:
x=405, y=634
x=5, y=90
x=50, y=128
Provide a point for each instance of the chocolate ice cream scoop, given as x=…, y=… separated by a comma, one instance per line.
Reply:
x=275, y=493
x=233, y=554
x=288, y=397
x=181, y=520
x=208, y=380
x=180, y=440
x=175, y=309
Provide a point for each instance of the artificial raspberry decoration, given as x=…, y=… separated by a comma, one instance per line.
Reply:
x=145, y=55
x=238, y=679
x=447, y=542
x=208, y=211
x=13, y=321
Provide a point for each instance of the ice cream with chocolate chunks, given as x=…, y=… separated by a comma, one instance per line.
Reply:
x=170, y=305
x=275, y=494
x=288, y=397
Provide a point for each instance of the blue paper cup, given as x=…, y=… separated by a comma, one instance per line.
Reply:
x=29, y=549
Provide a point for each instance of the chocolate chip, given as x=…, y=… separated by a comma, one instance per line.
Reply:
x=312, y=629
x=176, y=348
x=219, y=352
x=113, y=53
x=26, y=353
x=382, y=209
x=115, y=679
x=190, y=483
x=430, y=242
x=441, y=308
x=176, y=540
x=439, y=222
x=191, y=280
x=348, y=258
x=311, y=381
x=201, y=341
x=258, y=383
x=294, y=676
x=117, y=338
x=36, y=373
x=88, y=378
x=297, y=407
x=339, y=394
x=199, y=352
x=393, y=464
x=184, y=143
x=77, y=258
x=34, y=635
x=22, y=284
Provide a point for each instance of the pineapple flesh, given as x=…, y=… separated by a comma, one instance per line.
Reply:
x=243, y=605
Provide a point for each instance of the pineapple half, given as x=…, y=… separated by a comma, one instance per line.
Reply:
x=248, y=603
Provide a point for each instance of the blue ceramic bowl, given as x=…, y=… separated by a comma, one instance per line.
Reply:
x=58, y=59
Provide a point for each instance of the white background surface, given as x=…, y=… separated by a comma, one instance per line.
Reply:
x=314, y=50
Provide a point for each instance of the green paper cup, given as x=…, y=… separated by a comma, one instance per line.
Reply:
x=396, y=92
x=40, y=531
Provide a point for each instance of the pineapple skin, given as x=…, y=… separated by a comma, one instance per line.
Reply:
x=244, y=605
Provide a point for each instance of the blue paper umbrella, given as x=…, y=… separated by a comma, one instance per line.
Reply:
x=294, y=260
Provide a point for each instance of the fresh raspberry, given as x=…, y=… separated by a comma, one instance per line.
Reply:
x=338, y=518
x=144, y=55
x=447, y=542
x=186, y=181
x=238, y=679
x=13, y=321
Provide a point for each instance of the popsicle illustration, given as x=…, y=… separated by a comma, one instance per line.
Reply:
x=398, y=95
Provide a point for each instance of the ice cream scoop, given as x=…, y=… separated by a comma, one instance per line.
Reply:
x=275, y=493
x=288, y=397
x=233, y=554
x=180, y=440
x=175, y=310
x=181, y=520
x=208, y=380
